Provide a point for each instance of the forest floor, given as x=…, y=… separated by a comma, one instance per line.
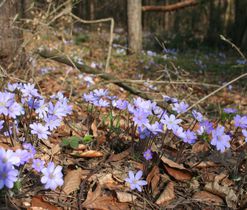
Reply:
x=187, y=176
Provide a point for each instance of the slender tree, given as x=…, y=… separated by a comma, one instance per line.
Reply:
x=11, y=36
x=134, y=10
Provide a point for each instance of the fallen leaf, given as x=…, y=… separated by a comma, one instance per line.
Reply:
x=167, y=195
x=94, y=129
x=95, y=200
x=119, y=156
x=153, y=178
x=172, y=163
x=199, y=147
x=181, y=175
x=72, y=181
x=87, y=154
x=125, y=197
x=107, y=181
x=203, y=164
x=38, y=203
x=206, y=197
x=223, y=191
x=81, y=147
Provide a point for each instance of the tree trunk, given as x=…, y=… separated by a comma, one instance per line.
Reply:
x=11, y=36
x=134, y=10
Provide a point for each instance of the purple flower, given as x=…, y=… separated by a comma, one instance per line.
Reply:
x=143, y=132
x=197, y=115
x=52, y=122
x=8, y=157
x=207, y=126
x=102, y=103
x=100, y=93
x=229, y=110
x=38, y=164
x=6, y=100
x=8, y=175
x=30, y=148
x=52, y=176
x=28, y=90
x=42, y=109
x=148, y=155
x=169, y=99
x=180, y=107
x=1, y=124
x=179, y=132
x=171, y=122
x=190, y=137
x=134, y=180
x=40, y=130
x=140, y=117
x=154, y=128
x=15, y=110
x=220, y=139
x=24, y=156
x=240, y=121
x=121, y=104
x=244, y=132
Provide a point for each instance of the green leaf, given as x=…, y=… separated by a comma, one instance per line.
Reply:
x=65, y=142
x=74, y=142
x=87, y=138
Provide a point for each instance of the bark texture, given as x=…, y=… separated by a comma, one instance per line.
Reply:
x=134, y=10
x=10, y=36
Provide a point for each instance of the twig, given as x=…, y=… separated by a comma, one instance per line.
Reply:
x=217, y=90
x=55, y=55
x=111, y=34
x=233, y=46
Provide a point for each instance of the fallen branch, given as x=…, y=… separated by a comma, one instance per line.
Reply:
x=171, y=7
x=57, y=56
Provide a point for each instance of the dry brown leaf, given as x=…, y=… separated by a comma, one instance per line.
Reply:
x=167, y=195
x=206, y=197
x=94, y=129
x=199, y=147
x=72, y=181
x=203, y=164
x=95, y=200
x=181, y=175
x=125, y=197
x=119, y=156
x=81, y=147
x=172, y=163
x=87, y=154
x=153, y=178
x=223, y=191
x=107, y=181
x=38, y=203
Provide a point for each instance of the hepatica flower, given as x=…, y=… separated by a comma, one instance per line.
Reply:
x=197, y=115
x=148, y=155
x=220, y=139
x=52, y=176
x=240, y=121
x=180, y=107
x=230, y=110
x=40, y=130
x=140, y=117
x=171, y=122
x=38, y=164
x=190, y=137
x=8, y=157
x=135, y=181
x=8, y=175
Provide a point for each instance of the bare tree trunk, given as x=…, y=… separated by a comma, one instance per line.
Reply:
x=11, y=37
x=134, y=10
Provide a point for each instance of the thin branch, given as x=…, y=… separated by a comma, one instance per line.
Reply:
x=171, y=7
x=111, y=34
x=217, y=90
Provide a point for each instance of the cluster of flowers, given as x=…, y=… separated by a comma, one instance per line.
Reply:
x=26, y=117
x=151, y=121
